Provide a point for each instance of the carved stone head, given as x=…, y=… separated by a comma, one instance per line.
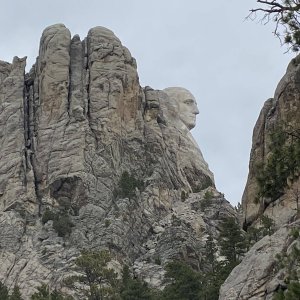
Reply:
x=186, y=103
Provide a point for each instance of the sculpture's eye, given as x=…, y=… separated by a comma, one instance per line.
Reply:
x=189, y=101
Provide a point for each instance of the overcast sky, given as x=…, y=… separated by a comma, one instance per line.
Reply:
x=230, y=65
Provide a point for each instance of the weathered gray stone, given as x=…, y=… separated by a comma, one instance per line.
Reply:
x=282, y=110
x=16, y=181
x=258, y=276
x=69, y=129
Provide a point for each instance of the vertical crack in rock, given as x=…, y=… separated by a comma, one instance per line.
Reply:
x=88, y=91
x=76, y=107
x=33, y=105
x=25, y=128
x=29, y=132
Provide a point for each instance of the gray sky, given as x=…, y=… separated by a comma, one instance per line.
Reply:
x=230, y=65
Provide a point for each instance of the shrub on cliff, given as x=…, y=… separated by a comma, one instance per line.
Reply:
x=101, y=281
x=283, y=163
x=16, y=294
x=290, y=265
x=44, y=293
x=183, y=283
x=3, y=291
x=62, y=223
x=213, y=270
x=232, y=241
x=133, y=288
x=127, y=185
x=4, y=295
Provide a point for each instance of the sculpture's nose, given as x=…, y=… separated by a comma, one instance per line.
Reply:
x=195, y=110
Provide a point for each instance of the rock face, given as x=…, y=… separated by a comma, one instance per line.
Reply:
x=282, y=111
x=76, y=132
x=267, y=266
x=260, y=274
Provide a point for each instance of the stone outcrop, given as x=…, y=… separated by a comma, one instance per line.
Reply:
x=281, y=111
x=73, y=132
x=14, y=190
x=260, y=273
x=267, y=266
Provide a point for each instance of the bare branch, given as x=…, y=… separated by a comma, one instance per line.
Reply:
x=286, y=16
x=270, y=11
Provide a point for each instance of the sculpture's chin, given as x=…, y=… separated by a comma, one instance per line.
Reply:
x=190, y=125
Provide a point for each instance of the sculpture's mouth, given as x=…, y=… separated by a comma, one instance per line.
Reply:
x=190, y=121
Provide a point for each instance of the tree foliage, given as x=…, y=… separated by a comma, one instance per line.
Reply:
x=102, y=281
x=127, y=185
x=268, y=225
x=183, y=283
x=3, y=291
x=4, y=294
x=213, y=269
x=232, y=242
x=283, y=163
x=286, y=16
x=253, y=235
x=96, y=281
x=44, y=293
x=62, y=223
x=134, y=288
x=16, y=294
x=288, y=263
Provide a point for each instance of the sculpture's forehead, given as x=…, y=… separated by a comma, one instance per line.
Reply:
x=179, y=93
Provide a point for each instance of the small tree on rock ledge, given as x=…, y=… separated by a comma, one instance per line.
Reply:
x=232, y=242
x=102, y=281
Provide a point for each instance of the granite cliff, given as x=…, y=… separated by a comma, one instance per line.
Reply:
x=80, y=138
x=276, y=130
x=272, y=193
x=117, y=166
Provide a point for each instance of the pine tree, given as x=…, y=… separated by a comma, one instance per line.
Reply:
x=44, y=293
x=183, y=282
x=286, y=16
x=290, y=262
x=268, y=225
x=101, y=280
x=232, y=241
x=253, y=235
x=3, y=292
x=293, y=292
x=133, y=288
x=16, y=294
x=211, y=281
